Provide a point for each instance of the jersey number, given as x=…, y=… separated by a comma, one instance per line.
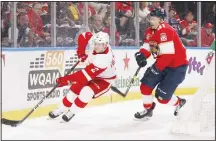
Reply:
x=94, y=70
x=161, y=26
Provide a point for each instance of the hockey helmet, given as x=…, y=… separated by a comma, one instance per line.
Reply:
x=158, y=12
x=101, y=37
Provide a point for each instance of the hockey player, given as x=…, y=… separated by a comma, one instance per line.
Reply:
x=169, y=69
x=92, y=81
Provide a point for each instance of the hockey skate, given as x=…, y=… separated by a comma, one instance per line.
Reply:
x=178, y=107
x=146, y=114
x=57, y=112
x=68, y=116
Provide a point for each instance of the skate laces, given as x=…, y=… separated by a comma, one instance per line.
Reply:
x=143, y=112
x=69, y=114
x=57, y=112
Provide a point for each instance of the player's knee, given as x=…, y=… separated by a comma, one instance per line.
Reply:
x=69, y=98
x=145, y=90
x=162, y=96
x=163, y=101
x=86, y=94
x=84, y=97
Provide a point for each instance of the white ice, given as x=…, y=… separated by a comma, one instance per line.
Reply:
x=111, y=121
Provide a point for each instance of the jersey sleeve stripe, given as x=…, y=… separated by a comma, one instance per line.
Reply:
x=145, y=46
x=167, y=48
x=86, y=75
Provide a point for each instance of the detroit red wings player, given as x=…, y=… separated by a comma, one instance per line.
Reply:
x=92, y=81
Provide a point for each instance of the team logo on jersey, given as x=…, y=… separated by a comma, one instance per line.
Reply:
x=163, y=37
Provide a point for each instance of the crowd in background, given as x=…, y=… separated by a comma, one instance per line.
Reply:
x=34, y=22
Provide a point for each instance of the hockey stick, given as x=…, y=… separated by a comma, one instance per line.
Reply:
x=15, y=123
x=128, y=87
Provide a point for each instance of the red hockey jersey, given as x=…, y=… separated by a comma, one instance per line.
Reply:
x=165, y=46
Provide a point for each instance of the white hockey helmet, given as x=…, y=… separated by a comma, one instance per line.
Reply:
x=101, y=41
x=101, y=37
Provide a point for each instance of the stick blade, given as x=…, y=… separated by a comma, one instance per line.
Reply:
x=12, y=123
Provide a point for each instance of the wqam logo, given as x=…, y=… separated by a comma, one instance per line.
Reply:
x=45, y=70
x=43, y=74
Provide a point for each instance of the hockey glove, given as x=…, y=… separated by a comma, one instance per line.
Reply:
x=82, y=57
x=141, y=59
x=62, y=81
x=153, y=71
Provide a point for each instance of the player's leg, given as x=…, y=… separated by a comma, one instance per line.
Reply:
x=94, y=89
x=67, y=101
x=148, y=83
x=165, y=90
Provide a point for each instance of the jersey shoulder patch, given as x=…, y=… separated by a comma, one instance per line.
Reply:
x=165, y=34
x=163, y=37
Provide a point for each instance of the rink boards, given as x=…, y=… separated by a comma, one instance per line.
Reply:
x=27, y=75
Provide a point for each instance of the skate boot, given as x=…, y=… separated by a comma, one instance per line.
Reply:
x=146, y=114
x=57, y=112
x=178, y=107
x=68, y=116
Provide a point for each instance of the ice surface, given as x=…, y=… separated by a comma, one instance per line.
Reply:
x=111, y=121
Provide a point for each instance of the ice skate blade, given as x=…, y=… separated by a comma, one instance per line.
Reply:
x=49, y=118
x=142, y=119
x=62, y=121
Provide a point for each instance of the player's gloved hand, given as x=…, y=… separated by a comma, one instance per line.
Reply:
x=153, y=71
x=82, y=57
x=141, y=59
x=62, y=81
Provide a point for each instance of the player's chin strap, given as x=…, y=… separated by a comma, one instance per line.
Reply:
x=128, y=87
x=15, y=123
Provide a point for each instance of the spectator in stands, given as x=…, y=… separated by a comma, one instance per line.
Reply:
x=188, y=26
x=174, y=21
x=91, y=10
x=5, y=24
x=123, y=13
x=107, y=23
x=100, y=8
x=97, y=24
x=23, y=33
x=143, y=11
x=207, y=37
x=21, y=7
x=154, y=5
x=36, y=25
x=212, y=15
x=66, y=27
x=143, y=19
x=91, y=24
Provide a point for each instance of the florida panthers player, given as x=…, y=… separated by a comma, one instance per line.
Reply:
x=92, y=81
x=169, y=69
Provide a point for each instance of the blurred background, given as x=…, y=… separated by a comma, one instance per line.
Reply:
x=58, y=24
